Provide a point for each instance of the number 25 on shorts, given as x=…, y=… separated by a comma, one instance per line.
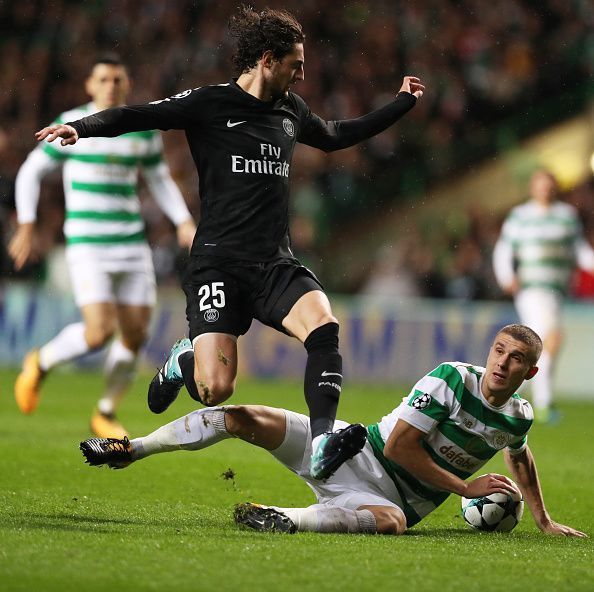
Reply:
x=212, y=296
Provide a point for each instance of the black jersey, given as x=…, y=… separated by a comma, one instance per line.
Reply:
x=242, y=148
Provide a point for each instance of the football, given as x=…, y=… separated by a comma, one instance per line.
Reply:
x=496, y=512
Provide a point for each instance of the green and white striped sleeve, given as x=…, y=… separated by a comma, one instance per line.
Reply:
x=28, y=181
x=429, y=402
x=162, y=186
x=503, y=254
x=518, y=446
x=584, y=253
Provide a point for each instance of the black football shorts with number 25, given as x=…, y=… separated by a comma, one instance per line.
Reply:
x=224, y=295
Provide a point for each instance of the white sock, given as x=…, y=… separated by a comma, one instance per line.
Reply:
x=119, y=370
x=199, y=429
x=68, y=344
x=323, y=518
x=542, y=383
x=316, y=442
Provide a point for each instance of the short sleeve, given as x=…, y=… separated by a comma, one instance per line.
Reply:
x=430, y=401
x=518, y=446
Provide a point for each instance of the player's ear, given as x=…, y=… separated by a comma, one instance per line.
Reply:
x=531, y=372
x=267, y=58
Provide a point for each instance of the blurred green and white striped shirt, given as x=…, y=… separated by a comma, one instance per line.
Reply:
x=463, y=431
x=543, y=244
x=100, y=177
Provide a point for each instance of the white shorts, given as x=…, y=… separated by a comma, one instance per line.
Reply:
x=540, y=309
x=96, y=280
x=360, y=481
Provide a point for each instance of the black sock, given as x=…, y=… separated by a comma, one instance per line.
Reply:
x=323, y=377
x=186, y=363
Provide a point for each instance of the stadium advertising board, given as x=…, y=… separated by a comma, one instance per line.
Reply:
x=379, y=344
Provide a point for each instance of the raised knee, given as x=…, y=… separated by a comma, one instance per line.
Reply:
x=214, y=391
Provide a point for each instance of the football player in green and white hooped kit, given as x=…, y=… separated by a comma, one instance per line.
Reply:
x=540, y=244
x=109, y=259
x=453, y=421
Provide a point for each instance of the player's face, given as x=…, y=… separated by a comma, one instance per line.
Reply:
x=543, y=187
x=287, y=71
x=108, y=85
x=508, y=365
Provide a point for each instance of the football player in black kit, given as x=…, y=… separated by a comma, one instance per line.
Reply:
x=242, y=134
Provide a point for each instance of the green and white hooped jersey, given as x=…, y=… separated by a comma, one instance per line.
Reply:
x=101, y=184
x=100, y=177
x=463, y=431
x=545, y=244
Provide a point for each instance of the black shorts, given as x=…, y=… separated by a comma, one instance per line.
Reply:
x=224, y=295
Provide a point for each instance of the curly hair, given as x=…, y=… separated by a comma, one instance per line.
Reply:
x=257, y=32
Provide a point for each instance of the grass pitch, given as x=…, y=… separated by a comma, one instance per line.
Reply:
x=166, y=522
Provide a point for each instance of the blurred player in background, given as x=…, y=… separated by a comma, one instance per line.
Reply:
x=110, y=262
x=242, y=135
x=453, y=421
x=541, y=242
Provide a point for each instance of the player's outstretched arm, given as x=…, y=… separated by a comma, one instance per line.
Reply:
x=523, y=469
x=336, y=135
x=175, y=113
x=68, y=134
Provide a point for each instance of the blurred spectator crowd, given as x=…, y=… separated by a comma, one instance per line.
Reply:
x=452, y=257
x=487, y=65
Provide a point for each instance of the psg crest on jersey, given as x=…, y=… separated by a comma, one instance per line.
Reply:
x=211, y=315
x=288, y=127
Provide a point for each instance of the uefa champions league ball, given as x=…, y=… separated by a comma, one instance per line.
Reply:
x=499, y=512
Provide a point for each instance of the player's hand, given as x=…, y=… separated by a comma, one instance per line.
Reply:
x=552, y=527
x=21, y=245
x=488, y=484
x=412, y=85
x=68, y=134
x=185, y=234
